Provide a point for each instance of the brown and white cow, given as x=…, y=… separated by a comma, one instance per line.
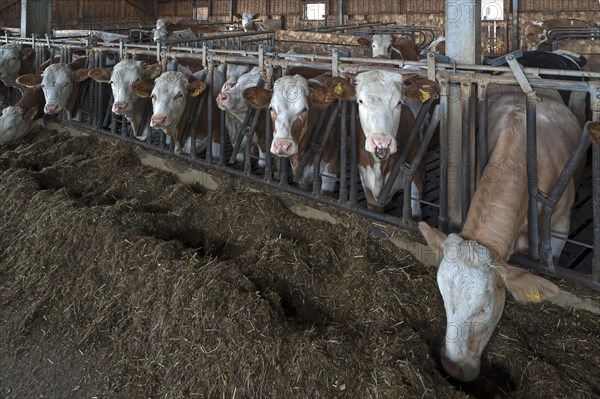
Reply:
x=17, y=121
x=126, y=102
x=171, y=95
x=60, y=84
x=14, y=61
x=247, y=21
x=231, y=100
x=533, y=33
x=393, y=47
x=385, y=124
x=473, y=275
x=180, y=30
x=295, y=104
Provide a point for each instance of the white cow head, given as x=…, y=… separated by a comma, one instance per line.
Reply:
x=169, y=95
x=15, y=123
x=381, y=45
x=472, y=284
x=160, y=32
x=230, y=98
x=247, y=19
x=58, y=83
x=380, y=95
x=532, y=35
x=10, y=62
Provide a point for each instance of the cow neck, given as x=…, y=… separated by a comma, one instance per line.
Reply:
x=135, y=115
x=75, y=95
x=304, y=136
x=498, y=210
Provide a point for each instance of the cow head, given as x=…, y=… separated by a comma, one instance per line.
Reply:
x=290, y=103
x=533, y=34
x=10, y=62
x=160, y=32
x=472, y=284
x=230, y=98
x=247, y=19
x=16, y=122
x=169, y=94
x=123, y=75
x=58, y=83
x=380, y=95
x=381, y=45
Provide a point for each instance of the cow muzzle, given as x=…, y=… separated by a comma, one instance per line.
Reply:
x=283, y=147
x=52, y=108
x=461, y=371
x=382, y=146
x=222, y=100
x=120, y=107
x=158, y=121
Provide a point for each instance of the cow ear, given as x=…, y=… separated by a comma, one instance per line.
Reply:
x=341, y=88
x=363, y=42
x=257, y=97
x=420, y=89
x=26, y=53
x=525, y=287
x=99, y=74
x=238, y=16
x=30, y=80
x=79, y=63
x=142, y=88
x=255, y=16
x=151, y=72
x=593, y=129
x=81, y=74
x=195, y=88
x=434, y=237
x=321, y=97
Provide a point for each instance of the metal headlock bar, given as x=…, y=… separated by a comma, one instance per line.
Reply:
x=94, y=115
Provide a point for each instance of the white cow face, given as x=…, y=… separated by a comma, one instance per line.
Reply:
x=472, y=285
x=169, y=97
x=57, y=83
x=16, y=123
x=381, y=46
x=10, y=64
x=230, y=98
x=123, y=75
x=248, y=21
x=289, y=113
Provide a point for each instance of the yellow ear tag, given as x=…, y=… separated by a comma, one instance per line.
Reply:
x=532, y=295
x=154, y=75
x=337, y=89
x=195, y=92
x=424, y=96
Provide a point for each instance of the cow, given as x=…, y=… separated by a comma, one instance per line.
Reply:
x=60, y=84
x=14, y=62
x=247, y=21
x=393, y=47
x=534, y=33
x=17, y=121
x=231, y=100
x=125, y=101
x=438, y=45
x=473, y=272
x=385, y=123
x=180, y=31
x=170, y=93
x=295, y=105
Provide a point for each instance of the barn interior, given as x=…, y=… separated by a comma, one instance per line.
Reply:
x=485, y=45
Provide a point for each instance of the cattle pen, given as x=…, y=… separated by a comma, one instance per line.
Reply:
x=225, y=281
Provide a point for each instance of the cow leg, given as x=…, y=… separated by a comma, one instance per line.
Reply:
x=372, y=203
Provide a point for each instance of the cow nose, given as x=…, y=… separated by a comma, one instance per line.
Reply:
x=383, y=146
x=51, y=108
x=464, y=372
x=282, y=147
x=221, y=98
x=157, y=121
x=120, y=107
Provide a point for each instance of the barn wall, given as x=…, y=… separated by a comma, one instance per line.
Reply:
x=86, y=13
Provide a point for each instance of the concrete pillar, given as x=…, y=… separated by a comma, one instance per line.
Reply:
x=463, y=45
x=36, y=17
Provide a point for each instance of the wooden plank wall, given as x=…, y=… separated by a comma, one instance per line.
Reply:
x=68, y=14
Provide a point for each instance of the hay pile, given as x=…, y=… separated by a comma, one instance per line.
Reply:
x=116, y=281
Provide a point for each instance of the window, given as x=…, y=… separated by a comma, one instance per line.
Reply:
x=314, y=11
x=492, y=10
x=201, y=13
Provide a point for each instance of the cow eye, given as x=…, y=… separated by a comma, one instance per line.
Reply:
x=360, y=101
x=153, y=96
x=178, y=96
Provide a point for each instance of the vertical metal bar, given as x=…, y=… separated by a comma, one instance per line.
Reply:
x=532, y=210
x=353, y=154
x=222, y=137
x=211, y=80
x=465, y=167
x=482, y=133
x=596, y=206
x=268, y=139
x=514, y=36
x=343, y=194
x=443, y=179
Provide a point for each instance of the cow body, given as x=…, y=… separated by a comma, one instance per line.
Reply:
x=533, y=33
x=295, y=106
x=473, y=273
x=126, y=102
x=18, y=120
x=231, y=100
x=60, y=84
x=180, y=31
